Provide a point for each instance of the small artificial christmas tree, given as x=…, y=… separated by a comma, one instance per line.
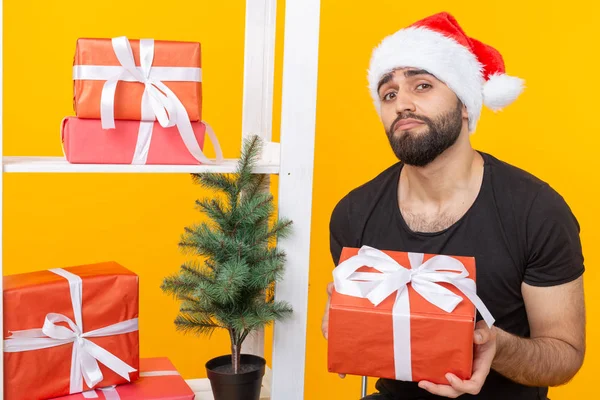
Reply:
x=232, y=286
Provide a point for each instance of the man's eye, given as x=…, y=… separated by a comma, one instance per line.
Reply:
x=424, y=84
x=389, y=96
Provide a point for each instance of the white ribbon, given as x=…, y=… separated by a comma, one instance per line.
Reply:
x=85, y=354
x=423, y=277
x=158, y=101
x=111, y=393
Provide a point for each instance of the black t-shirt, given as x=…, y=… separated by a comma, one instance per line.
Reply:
x=518, y=229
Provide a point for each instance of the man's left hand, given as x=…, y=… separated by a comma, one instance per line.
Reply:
x=484, y=352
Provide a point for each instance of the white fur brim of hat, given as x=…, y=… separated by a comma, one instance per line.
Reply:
x=450, y=62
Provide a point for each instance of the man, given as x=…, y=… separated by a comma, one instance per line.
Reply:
x=429, y=82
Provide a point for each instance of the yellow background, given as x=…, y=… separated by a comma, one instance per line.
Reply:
x=60, y=220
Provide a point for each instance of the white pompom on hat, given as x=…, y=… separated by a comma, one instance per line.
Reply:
x=473, y=70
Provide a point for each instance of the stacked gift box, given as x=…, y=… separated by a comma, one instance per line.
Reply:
x=137, y=102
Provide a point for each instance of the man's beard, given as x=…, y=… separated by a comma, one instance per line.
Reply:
x=420, y=149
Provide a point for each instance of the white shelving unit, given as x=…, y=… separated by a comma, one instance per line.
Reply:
x=292, y=159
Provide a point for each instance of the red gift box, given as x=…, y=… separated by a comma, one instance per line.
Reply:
x=175, y=64
x=141, y=80
x=159, y=380
x=85, y=142
x=67, y=330
x=410, y=316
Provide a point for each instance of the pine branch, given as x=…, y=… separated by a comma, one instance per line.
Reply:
x=250, y=215
x=251, y=152
x=197, y=306
x=271, y=254
x=196, y=324
x=258, y=184
x=257, y=208
x=196, y=272
x=230, y=281
x=186, y=298
x=269, y=272
x=221, y=183
x=177, y=286
x=274, y=311
x=208, y=294
x=211, y=265
x=205, y=241
x=260, y=314
x=281, y=229
x=214, y=181
x=216, y=211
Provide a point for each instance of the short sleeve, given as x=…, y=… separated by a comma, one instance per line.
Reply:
x=553, y=243
x=340, y=232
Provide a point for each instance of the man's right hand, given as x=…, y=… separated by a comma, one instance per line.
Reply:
x=325, y=321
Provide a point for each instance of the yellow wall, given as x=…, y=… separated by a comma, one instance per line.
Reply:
x=60, y=220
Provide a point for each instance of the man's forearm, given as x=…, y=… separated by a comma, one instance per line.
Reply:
x=536, y=362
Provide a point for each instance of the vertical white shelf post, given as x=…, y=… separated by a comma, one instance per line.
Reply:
x=257, y=109
x=298, y=115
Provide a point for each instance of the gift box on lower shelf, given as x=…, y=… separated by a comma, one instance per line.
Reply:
x=131, y=142
x=67, y=330
x=159, y=380
x=410, y=316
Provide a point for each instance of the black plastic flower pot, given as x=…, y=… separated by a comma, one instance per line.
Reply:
x=242, y=386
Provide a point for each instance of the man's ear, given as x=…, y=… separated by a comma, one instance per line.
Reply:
x=465, y=112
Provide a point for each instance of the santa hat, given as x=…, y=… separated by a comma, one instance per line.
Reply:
x=473, y=70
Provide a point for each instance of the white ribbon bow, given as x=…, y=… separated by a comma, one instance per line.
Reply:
x=423, y=277
x=158, y=101
x=85, y=354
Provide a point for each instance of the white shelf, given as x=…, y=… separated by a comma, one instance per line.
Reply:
x=60, y=165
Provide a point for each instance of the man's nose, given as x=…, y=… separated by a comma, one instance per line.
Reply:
x=404, y=102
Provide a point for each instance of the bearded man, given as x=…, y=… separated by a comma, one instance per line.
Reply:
x=429, y=82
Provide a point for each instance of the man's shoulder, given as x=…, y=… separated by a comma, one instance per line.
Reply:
x=516, y=184
x=372, y=189
x=514, y=177
x=522, y=190
x=360, y=199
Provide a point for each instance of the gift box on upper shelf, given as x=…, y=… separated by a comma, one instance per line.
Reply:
x=85, y=142
x=156, y=84
x=410, y=316
x=67, y=330
x=113, y=74
x=159, y=380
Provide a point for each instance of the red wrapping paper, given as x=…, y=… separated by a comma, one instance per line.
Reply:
x=128, y=96
x=440, y=342
x=85, y=142
x=168, y=387
x=109, y=296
